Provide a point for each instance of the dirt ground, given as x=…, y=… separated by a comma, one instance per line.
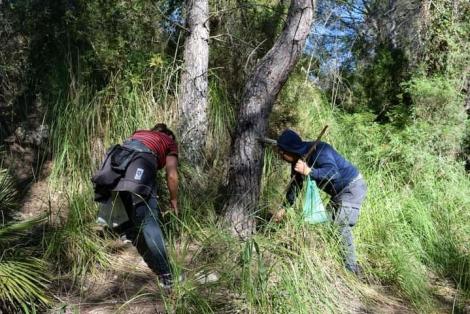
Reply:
x=129, y=287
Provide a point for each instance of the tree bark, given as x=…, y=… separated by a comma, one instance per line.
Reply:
x=261, y=89
x=193, y=85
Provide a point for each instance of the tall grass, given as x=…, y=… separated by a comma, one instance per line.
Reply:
x=413, y=221
x=84, y=125
x=87, y=122
x=73, y=246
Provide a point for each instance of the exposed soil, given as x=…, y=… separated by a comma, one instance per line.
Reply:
x=40, y=198
x=129, y=286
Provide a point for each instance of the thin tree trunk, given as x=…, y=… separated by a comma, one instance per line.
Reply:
x=193, y=86
x=260, y=92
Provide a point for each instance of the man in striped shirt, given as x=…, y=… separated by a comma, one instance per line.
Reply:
x=130, y=169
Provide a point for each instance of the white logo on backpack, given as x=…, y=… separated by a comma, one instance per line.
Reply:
x=138, y=174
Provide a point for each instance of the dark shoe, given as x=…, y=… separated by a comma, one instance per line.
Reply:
x=356, y=270
x=125, y=240
x=166, y=281
x=351, y=268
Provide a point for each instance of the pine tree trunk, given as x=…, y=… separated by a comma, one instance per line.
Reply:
x=193, y=86
x=260, y=92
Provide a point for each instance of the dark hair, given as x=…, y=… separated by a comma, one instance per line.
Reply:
x=161, y=127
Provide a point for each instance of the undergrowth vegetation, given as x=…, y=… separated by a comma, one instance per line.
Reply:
x=23, y=276
x=414, y=222
x=115, y=68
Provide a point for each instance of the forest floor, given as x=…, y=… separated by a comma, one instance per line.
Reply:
x=129, y=286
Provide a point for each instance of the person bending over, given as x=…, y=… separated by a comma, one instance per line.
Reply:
x=130, y=169
x=334, y=175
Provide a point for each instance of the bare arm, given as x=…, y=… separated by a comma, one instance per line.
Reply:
x=172, y=180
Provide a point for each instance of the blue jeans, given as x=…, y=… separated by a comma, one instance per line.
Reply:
x=143, y=229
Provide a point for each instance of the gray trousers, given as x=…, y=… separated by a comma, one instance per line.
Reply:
x=346, y=207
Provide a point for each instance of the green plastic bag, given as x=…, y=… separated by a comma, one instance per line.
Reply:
x=314, y=211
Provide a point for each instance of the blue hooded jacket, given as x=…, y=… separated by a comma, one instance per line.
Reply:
x=331, y=171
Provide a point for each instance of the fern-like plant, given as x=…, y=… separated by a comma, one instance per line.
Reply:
x=8, y=194
x=23, y=279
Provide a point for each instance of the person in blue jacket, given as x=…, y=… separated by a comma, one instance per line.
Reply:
x=334, y=175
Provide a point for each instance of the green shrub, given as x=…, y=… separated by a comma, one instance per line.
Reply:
x=439, y=107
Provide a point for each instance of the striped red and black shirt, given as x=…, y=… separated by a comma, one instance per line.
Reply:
x=160, y=143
